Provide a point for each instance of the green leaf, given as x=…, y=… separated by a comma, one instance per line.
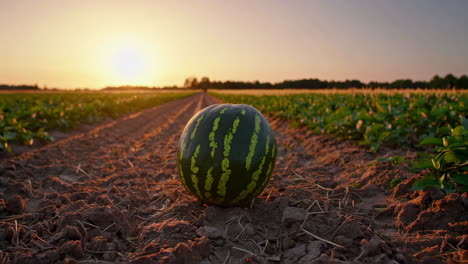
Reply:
x=10, y=135
x=464, y=121
x=458, y=131
x=448, y=187
x=374, y=147
x=455, y=156
x=421, y=165
x=460, y=179
x=383, y=159
x=444, y=130
x=427, y=181
x=431, y=141
x=464, y=189
x=396, y=160
x=384, y=136
x=424, y=156
x=395, y=182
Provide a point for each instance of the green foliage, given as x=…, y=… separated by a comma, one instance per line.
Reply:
x=395, y=182
x=371, y=119
x=449, y=165
x=27, y=117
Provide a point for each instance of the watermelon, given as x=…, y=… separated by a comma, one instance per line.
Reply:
x=226, y=154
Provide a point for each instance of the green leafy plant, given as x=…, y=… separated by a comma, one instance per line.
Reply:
x=449, y=166
x=394, y=182
x=373, y=120
x=27, y=117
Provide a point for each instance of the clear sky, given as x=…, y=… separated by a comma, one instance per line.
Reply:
x=95, y=43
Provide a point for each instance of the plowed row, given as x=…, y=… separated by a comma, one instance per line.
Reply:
x=112, y=194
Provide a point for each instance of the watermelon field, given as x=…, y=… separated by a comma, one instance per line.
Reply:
x=358, y=178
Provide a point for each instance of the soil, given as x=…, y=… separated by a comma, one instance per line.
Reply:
x=111, y=194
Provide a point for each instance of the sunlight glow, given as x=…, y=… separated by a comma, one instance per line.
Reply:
x=127, y=59
x=128, y=66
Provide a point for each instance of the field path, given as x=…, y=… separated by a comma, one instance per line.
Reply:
x=112, y=194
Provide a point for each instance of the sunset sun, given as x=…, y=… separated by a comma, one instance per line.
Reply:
x=129, y=60
x=128, y=65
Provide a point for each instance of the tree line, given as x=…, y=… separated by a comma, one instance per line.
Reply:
x=449, y=81
x=437, y=82
x=19, y=87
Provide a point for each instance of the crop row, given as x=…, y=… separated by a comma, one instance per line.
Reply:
x=26, y=117
x=371, y=119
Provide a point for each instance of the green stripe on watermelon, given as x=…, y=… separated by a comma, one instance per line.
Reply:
x=253, y=142
x=194, y=132
x=268, y=171
x=225, y=163
x=212, y=134
x=195, y=169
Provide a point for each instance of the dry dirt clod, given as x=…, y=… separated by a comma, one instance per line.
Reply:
x=293, y=215
x=72, y=248
x=15, y=205
x=294, y=254
x=2, y=206
x=211, y=232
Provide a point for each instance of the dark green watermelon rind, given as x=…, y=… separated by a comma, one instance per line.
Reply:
x=215, y=170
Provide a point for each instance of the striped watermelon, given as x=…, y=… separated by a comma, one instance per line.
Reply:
x=226, y=154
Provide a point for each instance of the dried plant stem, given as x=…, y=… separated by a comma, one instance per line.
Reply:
x=322, y=239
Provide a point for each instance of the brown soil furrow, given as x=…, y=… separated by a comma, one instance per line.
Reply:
x=153, y=135
x=172, y=129
x=155, y=153
x=81, y=150
x=144, y=155
x=331, y=162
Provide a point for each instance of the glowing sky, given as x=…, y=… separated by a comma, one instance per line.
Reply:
x=90, y=43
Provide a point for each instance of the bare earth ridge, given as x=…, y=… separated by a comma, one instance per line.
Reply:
x=111, y=194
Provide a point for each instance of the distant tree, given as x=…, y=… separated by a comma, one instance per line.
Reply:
x=437, y=82
x=374, y=85
x=204, y=83
x=401, y=84
x=190, y=82
x=353, y=84
x=420, y=85
x=462, y=82
x=18, y=87
x=204, y=80
x=450, y=80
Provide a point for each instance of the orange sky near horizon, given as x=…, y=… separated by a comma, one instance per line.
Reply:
x=93, y=44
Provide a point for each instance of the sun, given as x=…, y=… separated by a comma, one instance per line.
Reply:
x=128, y=66
x=130, y=61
